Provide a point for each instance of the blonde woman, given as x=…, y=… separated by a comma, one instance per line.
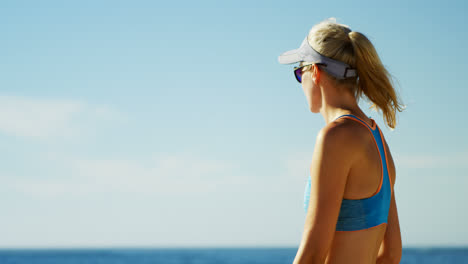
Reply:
x=351, y=214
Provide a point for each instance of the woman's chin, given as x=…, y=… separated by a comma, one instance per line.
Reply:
x=314, y=109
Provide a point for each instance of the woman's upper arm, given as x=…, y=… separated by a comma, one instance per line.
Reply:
x=391, y=247
x=333, y=156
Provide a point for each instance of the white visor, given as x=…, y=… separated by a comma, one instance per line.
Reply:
x=306, y=53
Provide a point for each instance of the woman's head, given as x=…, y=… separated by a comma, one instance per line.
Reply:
x=339, y=42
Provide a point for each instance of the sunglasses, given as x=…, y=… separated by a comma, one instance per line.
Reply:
x=298, y=71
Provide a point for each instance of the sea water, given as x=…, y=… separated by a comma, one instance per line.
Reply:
x=202, y=256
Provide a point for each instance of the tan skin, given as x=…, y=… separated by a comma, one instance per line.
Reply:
x=345, y=164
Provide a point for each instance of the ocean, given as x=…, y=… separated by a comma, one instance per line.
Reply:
x=202, y=256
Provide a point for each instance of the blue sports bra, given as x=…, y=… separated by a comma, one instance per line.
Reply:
x=368, y=212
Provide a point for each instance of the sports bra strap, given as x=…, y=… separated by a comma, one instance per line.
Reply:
x=360, y=120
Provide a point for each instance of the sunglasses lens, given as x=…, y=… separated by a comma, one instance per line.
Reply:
x=298, y=74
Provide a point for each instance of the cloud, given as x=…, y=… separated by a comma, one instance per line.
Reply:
x=298, y=164
x=159, y=175
x=431, y=161
x=47, y=118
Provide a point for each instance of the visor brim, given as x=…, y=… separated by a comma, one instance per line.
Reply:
x=289, y=57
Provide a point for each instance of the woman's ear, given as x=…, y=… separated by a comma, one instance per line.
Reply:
x=315, y=73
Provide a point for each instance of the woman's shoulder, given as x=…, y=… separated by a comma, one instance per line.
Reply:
x=343, y=128
x=344, y=134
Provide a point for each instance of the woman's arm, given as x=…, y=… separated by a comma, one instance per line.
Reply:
x=333, y=155
x=391, y=248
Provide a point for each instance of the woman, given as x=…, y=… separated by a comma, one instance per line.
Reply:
x=350, y=202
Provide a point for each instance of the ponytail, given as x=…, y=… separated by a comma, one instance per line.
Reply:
x=374, y=80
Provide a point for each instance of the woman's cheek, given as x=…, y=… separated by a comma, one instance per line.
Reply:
x=307, y=93
x=316, y=99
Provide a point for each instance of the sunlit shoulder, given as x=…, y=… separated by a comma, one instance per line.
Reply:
x=340, y=141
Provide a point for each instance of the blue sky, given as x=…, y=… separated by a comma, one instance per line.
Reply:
x=140, y=123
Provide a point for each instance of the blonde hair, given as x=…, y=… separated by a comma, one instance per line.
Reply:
x=338, y=42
